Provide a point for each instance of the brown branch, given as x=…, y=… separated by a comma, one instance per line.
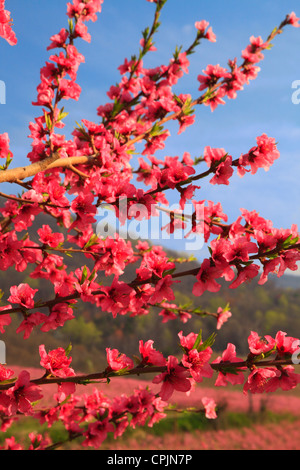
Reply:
x=15, y=175
x=107, y=374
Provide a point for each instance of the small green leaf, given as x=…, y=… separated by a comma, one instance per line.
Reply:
x=207, y=343
x=84, y=275
x=8, y=381
x=169, y=272
x=198, y=341
x=68, y=349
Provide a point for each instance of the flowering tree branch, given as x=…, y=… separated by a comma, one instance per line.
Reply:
x=69, y=180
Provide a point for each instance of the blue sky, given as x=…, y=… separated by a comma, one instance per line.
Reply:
x=264, y=106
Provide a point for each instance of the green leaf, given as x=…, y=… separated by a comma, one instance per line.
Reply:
x=84, y=275
x=8, y=381
x=207, y=343
x=92, y=276
x=136, y=359
x=170, y=271
x=198, y=341
x=92, y=241
x=230, y=370
x=68, y=349
x=62, y=115
x=156, y=130
x=290, y=241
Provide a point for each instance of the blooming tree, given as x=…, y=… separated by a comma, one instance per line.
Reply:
x=68, y=180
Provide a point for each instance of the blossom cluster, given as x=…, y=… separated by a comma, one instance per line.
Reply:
x=94, y=416
x=71, y=178
x=6, y=31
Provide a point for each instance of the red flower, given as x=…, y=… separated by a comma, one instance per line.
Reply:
x=22, y=394
x=234, y=377
x=56, y=362
x=174, y=379
x=22, y=294
x=118, y=361
x=258, y=345
x=257, y=381
x=6, y=31
x=149, y=355
x=293, y=20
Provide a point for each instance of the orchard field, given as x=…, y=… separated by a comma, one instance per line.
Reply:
x=244, y=422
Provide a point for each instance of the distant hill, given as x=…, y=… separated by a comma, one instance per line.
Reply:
x=291, y=281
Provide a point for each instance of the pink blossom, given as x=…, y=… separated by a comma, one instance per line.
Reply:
x=253, y=53
x=81, y=31
x=197, y=362
x=96, y=402
x=168, y=314
x=223, y=172
x=210, y=35
x=286, y=379
x=58, y=40
x=187, y=342
x=69, y=89
x=240, y=249
x=244, y=275
x=4, y=145
x=97, y=433
x=293, y=20
x=259, y=345
x=38, y=442
x=50, y=238
x=5, y=373
x=223, y=316
x=154, y=263
x=258, y=379
x=5, y=319
x=29, y=322
x=213, y=73
x=229, y=373
x=286, y=344
x=22, y=394
x=65, y=389
x=270, y=266
x=201, y=26
x=115, y=298
x=118, y=361
x=149, y=355
x=60, y=313
x=261, y=156
x=22, y=294
x=150, y=47
x=56, y=362
x=6, y=31
x=11, y=444
x=206, y=279
x=174, y=379
x=163, y=290
x=210, y=407
x=288, y=260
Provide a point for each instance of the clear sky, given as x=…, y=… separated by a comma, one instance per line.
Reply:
x=265, y=106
